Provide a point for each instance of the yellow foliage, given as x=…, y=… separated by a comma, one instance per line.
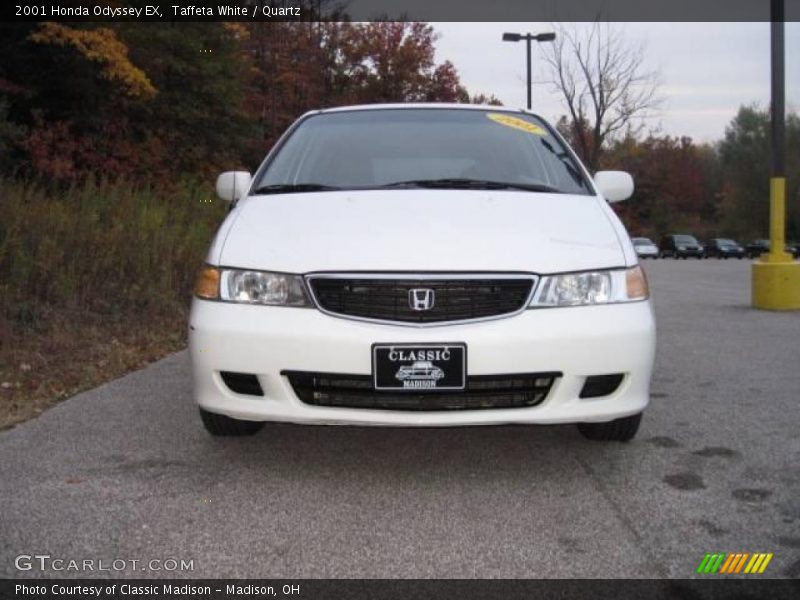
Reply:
x=102, y=46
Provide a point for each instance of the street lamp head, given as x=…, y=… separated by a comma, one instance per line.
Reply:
x=529, y=37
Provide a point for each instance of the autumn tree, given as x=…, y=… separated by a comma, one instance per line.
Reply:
x=69, y=87
x=676, y=184
x=388, y=61
x=148, y=100
x=296, y=67
x=603, y=82
x=132, y=99
x=197, y=114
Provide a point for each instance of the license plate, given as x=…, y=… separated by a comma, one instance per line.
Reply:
x=419, y=367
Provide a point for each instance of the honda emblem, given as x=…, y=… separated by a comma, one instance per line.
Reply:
x=420, y=299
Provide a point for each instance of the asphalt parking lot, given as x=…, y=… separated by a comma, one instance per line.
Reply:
x=126, y=471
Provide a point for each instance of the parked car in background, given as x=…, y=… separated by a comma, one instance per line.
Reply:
x=680, y=246
x=645, y=247
x=756, y=248
x=724, y=248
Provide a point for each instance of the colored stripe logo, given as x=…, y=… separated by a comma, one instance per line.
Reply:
x=734, y=563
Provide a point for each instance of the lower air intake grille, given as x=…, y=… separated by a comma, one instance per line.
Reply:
x=482, y=392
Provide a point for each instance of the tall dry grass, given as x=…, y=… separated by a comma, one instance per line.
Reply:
x=95, y=280
x=112, y=248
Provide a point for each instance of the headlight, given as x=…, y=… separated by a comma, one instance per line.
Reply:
x=251, y=287
x=591, y=287
x=681, y=247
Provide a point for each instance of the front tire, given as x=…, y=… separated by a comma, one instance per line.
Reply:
x=618, y=430
x=227, y=426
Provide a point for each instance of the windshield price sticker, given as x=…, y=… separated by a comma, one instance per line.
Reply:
x=516, y=123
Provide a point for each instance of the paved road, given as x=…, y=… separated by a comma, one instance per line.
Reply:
x=126, y=471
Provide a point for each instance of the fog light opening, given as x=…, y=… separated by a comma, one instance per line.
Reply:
x=597, y=386
x=242, y=383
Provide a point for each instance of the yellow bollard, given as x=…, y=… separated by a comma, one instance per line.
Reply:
x=776, y=276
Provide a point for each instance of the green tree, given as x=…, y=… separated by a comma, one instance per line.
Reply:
x=746, y=166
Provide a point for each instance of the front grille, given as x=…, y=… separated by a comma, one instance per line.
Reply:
x=454, y=299
x=482, y=392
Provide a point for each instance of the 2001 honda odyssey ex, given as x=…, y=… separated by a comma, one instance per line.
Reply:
x=429, y=265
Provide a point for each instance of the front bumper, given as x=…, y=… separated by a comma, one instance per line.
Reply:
x=576, y=341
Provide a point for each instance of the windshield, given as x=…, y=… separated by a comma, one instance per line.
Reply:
x=726, y=242
x=685, y=239
x=367, y=149
x=642, y=242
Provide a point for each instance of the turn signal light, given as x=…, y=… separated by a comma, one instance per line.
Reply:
x=207, y=284
x=636, y=284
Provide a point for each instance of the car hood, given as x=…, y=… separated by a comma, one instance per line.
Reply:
x=419, y=230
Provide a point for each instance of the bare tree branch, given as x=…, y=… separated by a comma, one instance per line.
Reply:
x=603, y=82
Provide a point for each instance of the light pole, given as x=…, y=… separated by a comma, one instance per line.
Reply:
x=776, y=277
x=528, y=37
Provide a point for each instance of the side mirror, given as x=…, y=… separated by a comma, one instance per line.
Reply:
x=614, y=185
x=232, y=185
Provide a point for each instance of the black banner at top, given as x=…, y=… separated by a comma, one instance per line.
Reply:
x=397, y=10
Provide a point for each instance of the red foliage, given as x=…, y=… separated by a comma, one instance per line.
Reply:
x=61, y=154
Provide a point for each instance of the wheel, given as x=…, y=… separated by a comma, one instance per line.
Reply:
x=618, y=430
x=221, y=425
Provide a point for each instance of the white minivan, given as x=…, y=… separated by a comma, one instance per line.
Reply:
x=468, y=239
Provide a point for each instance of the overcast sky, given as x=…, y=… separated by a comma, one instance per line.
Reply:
x=707, y=70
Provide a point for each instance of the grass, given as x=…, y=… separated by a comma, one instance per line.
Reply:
x=95, y=281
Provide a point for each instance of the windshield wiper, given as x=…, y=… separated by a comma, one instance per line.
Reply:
x=472, y=184
x=566, y=161
x=288, y=188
